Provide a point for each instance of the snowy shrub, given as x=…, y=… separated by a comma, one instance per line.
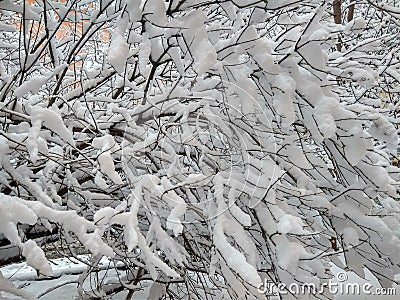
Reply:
x=203, y=145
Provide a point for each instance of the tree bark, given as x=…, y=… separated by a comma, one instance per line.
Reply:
x=337, y=16
x=350, y=15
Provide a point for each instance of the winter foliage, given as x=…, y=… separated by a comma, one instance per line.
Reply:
x=204, y=146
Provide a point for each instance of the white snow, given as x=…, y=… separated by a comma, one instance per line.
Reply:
x=288, y=223
x=106, y=145
x=32, y=85
x=118, y=52
x=35, y=257
x=203, y=51
x=53, y=121
x=357, y=23
x=234, y=259
x=284, y=97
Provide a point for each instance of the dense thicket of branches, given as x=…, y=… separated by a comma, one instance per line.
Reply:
x=206, y=145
